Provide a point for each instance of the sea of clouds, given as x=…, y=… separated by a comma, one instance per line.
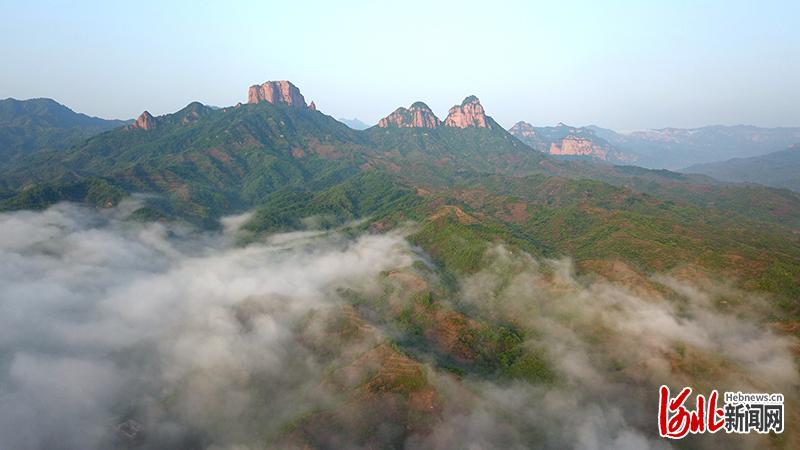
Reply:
x=102, y=319
x=194, y=337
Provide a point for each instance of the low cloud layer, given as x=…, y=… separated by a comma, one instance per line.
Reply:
x=196, y=340
x=613, y=345
x=102, y=320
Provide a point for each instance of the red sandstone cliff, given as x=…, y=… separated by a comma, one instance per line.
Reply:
x=283, y=92
x=469, y=113
x=145, y=121
x=419, y=115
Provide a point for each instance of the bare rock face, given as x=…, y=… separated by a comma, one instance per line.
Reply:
x=523, y=131
x=419, y=115
x=565, y=140
x=283, y=92
x=577, y=146
x=145, y=121
x=312, y=106
x=468, y=114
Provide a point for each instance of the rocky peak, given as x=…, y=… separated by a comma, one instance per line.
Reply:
x=470, y=99
x=145, y=121
x=523, y=129
x=573, y=145
x=312, y=106
x=418, y=115
x=193, y=112
x=469, y=113
x=283, y=92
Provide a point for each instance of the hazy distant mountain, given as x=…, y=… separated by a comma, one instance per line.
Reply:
x=571, y=142
x=674, y=148
x=778, y=169
x=42, y=123
x=355, y=124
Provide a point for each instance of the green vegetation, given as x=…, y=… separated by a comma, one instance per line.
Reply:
x=531, y=368
x=94, y=191
x=777, y=169
x=369, y=194
x=467, y=189
x=502, y=350
x=28, y=126
x=205, y=162
x=457, y=247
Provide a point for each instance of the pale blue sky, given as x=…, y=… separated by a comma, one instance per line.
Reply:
x=620, y=64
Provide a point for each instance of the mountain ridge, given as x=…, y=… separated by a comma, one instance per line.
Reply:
x=564, y=140
x=32, y=125
x=198, y=147
x=677, y=148
x=777, y=169
x=468, y=114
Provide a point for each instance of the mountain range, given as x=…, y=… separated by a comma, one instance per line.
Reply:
x=667, y=148
x=676, y=148
x=39, y=124
x=776, y=169
x=566, y=141
x=205, y=162
x=522, y=217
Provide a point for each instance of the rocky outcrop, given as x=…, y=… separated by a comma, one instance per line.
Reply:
x=577, y=146
x=469, y=114
x=312, y=106
x=193, y=112
x=564, y=140
x=277, y=92
x=523, y=131
x=419, y=115
x=145, y=121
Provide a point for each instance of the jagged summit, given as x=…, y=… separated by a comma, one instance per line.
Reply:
x=145, y=121
x=418, y=115
x=469, y=114
x=470, y=99
x=522, y=130
x=282, y=92
x=193, y=112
